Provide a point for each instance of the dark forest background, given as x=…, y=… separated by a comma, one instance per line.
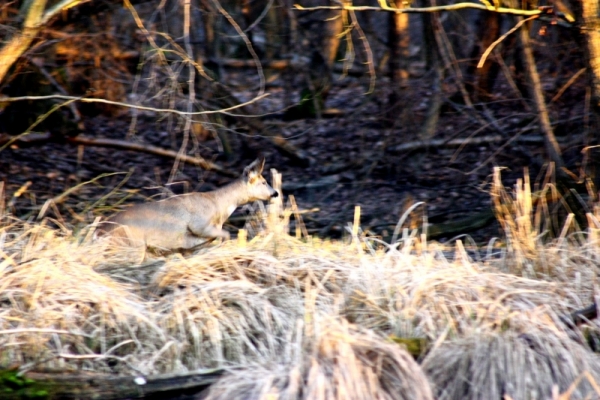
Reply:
x=106, y=102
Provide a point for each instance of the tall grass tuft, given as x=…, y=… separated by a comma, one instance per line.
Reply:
x=540, y=228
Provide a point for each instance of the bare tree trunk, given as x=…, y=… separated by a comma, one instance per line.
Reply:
x=321, y=74
x=274, y=22
x=398, y=42
x=481, y=80
x=318, y=77
x=290, y=43
x=431, y=26
x=588, y=13
x=20, y=42
x=247, y=13
x=334, y=25
x=588, y=16
x=210, y=22
x=537, y=95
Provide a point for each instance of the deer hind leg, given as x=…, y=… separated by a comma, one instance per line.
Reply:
x=191, y=241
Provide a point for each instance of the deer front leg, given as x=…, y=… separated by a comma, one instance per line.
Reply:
x=209, y=231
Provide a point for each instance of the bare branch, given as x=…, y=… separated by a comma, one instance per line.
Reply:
x=368, y=51
x=436, y=143
x=487, y=51
x=21, y=40
x=35, y=19
x=150, y=149
x=568, y=84
x=37, y=138
x=59, y=7
x=135, y=106
x=240, y=31
x=260, y=17
x=450, y=7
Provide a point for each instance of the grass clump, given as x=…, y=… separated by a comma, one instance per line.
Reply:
x=529, y=365
x=326, y=359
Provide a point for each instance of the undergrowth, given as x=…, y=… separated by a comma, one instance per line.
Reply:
x=292, y=316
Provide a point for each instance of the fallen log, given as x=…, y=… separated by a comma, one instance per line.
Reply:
x=581, y=316
x=34, y=139
x=150, y=149
x=92, y=386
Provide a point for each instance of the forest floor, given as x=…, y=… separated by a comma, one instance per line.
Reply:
x=307, y=317
x=355, y=160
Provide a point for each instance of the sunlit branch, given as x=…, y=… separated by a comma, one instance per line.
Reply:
x=128, y=105
x=487, y=51
x=449, y=7
x=60, y=7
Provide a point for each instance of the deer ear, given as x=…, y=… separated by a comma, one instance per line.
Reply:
x=255, y=168
x=261, y=164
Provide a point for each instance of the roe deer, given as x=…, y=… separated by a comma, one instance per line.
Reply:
x=185, y=221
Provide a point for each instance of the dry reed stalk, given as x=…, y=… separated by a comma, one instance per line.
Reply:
x=530, y=220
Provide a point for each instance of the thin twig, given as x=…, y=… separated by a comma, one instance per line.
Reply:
x=260, y=17
x=137, y=107
x=38, y=121
x=567, y=85
x=191, y=90
x=40, y=66
x=61, y=197
x=240, y=31
x=487, y=51
x=501, y=148
x=370, y=61
x=435, y=143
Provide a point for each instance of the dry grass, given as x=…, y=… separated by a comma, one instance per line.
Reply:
x=527, y=365
x=333, y=360
x=305, y=318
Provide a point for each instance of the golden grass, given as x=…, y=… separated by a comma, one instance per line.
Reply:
x=305, y=318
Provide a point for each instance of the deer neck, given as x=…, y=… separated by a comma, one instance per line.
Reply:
x=231, y=196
